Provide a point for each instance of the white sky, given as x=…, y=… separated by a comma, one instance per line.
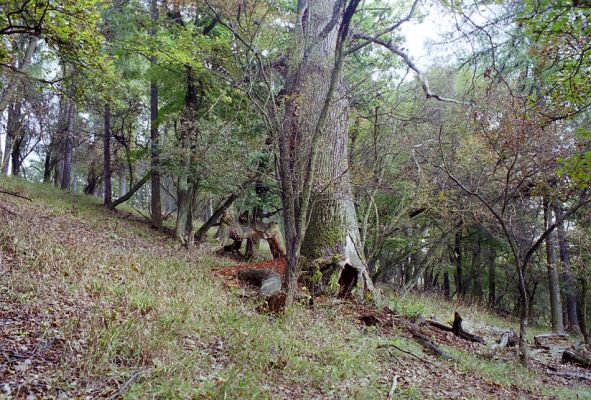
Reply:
x=418, y=34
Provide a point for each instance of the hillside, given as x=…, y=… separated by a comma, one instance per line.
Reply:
x=95, y=304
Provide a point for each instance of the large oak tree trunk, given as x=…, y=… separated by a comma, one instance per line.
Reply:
x=316, y=122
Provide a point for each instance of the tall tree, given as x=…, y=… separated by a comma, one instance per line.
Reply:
x=155, y=202
x=553, y=281
x=107, y=173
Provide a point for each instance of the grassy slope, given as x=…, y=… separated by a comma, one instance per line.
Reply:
x=122, y=298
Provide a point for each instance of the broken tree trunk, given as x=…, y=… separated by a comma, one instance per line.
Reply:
x=131, y=192
x=459, y=331
x=456, y=328
x=507, y=339
x=426, y=342
x=440, y=325
x=571, y=356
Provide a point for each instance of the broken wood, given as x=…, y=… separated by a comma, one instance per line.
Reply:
x=131, y=192
x=459, y=331
x=507, y=339
x=548, y=340
x=572, y=357
x=267, y=281
x=440, y=325
x=426, y=342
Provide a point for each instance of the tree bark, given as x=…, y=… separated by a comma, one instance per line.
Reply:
x=477, y=291
x=492, y=281
x=47, y=167
x=68, y=147
x=107, y=173
x=318, y=208
x=553, y=280
x=446, y=291
x=14, y=131
x=187, y=127
x=570, y=285
x=459, y=261
x=155, y=199
x=202, y=231
x=582, y=309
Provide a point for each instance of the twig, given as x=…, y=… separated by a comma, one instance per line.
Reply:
x=393, y=387
x=126, y=385
x=7, y=210
x=406, y=352
x=14, y=194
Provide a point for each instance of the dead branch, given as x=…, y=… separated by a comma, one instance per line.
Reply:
x=426, y=342
x=15, y=195
x=125, y=386
x=459, y=331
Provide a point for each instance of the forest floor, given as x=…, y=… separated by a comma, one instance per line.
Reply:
x=95, y=304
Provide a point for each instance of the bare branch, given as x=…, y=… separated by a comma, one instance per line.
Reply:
x=405, y=57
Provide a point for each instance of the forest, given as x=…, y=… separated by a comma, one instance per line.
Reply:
x=295, y=199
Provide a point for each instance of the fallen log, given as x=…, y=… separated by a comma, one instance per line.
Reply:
x=426, y=342
x=440, y=325
x=459, y=331
x=572, y=357
x=267, y=281
x=548, y=340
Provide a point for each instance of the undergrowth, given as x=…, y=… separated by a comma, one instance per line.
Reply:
x=139, y=304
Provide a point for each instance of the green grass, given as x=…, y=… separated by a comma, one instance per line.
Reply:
x=146, y=304
x=507, y=373
x=157, y=308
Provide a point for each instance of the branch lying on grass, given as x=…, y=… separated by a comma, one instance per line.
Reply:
x=426, y=342
x=393, y=387
x=15, y=195
x=405, y=352
x=123, y=388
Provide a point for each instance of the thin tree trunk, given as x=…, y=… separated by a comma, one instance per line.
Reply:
x=68, y=148
x=202, y=231
x=553, y=280
x=107, y=173
x=583, y=314
x=477, y=291
x=131, y=192
x=459, y=260
x=523, y=312
x=155, y=199
x=492, y=281
x=47, y=167
x=187, y=128
x=15, y=78
x=570, y=285
x=446, y=291
x=14, y=131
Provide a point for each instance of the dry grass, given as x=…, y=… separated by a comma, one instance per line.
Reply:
x=91, y=300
